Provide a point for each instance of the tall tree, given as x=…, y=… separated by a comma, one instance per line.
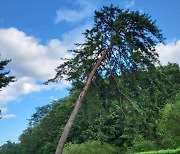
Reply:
x=120, y=42
x=5, y=79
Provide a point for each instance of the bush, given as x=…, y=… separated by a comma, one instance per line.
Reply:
x=49, y=148
x=91, y=147
x=140, y=145
x=168, y=126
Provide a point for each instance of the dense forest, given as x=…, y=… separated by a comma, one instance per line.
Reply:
x=116, y=117
x=130, y=107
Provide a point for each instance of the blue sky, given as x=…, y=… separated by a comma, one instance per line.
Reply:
x=36, y=34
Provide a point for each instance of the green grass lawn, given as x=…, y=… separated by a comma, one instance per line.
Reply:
x=169, y=151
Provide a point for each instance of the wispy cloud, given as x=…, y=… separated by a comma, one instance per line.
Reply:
x=7, y=116
x=4, y=114
x=3, y=110
x=85, y=9
x=32, y=62
x=169, y=52
x=129, y=3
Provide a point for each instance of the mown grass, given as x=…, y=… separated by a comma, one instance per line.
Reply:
x=169, y=151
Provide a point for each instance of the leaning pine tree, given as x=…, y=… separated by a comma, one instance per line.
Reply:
x=120, y=42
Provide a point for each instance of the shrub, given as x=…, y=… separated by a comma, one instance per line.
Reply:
x=49, y=148
x=168, y=126
x=140, y=144
x=91, y=147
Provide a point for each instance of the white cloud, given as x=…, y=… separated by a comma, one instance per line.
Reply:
x=169, y=52
x=32, y=62
x=73, y=15
x=7, y=116
x=26, y=85
x=4, y=114
x=28, y=54
x=3, y=110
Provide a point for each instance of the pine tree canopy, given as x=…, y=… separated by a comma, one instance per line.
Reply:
x=5, y=79
x=133, y=35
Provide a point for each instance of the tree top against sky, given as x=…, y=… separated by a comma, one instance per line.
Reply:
x=134, y=36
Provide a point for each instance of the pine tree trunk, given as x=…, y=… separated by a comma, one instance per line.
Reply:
x=74, y=113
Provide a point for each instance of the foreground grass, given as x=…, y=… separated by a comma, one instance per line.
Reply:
x=98, y=147
x=169, y=151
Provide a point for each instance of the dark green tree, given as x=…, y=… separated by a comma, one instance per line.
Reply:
x=10, y=148
x=120, y=42
x=44, y=127
x=168, y=124
x=40, y=113
x=106, y=115
x=5, y=79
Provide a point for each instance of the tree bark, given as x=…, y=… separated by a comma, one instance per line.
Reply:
x=74, y=113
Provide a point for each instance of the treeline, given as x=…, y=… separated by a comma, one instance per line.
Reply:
x=128, y=114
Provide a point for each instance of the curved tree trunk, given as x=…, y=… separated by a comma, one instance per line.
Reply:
x=74, y=113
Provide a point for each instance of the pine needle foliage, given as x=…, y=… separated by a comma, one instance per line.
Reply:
x=134, y=37
x=5, y=79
